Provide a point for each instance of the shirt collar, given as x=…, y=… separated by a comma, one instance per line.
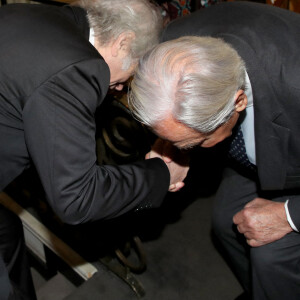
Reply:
x=92, y=36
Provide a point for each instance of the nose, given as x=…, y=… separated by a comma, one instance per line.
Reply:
x=208, y=145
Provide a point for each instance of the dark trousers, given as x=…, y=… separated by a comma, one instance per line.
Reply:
x=15, y=277
x=269, y=272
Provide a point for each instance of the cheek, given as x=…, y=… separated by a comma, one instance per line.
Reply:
x=216, y=139
x=224, y=136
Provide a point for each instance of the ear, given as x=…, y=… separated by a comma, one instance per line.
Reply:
x=240, y=100
x=122, y=44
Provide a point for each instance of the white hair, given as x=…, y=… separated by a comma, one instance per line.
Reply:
x=110, y=18
x=194, y=79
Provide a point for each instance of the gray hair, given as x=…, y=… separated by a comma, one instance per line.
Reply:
x=110, y=18
x=194, y=79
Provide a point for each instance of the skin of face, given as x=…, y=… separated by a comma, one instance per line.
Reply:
x=115, y=55
x=184, y=137
x=119, y=76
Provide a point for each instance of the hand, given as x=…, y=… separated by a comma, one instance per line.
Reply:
x=178, y=173
x=176, y=161
x=262, y=221
x=162, y=149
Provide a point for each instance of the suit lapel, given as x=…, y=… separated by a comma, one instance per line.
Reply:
x=271, y=152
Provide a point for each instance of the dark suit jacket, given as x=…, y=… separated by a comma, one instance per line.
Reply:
x=51, y=82
x=268, y=40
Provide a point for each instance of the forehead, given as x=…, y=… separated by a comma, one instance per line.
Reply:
x=176, y=132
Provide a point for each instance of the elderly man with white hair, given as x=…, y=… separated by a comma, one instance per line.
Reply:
x=229, y=75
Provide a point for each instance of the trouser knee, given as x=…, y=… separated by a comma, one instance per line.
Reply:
x=263, y=258
x=278, y=257
x=276, y=263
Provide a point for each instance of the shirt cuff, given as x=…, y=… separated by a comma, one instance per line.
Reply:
x=289, y=217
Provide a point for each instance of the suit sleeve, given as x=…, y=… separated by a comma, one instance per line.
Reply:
x=59, y=130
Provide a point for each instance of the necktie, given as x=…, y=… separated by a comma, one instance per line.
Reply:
x=237, y=150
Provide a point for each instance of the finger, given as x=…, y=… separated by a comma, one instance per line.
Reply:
x=243, y=230
x=166, y=159
x=254, y=243
x=179, y=185
x=240, y=229
x=147, y=156
x=238, y=218
x=249, y=235
x=172, y=187
x=176, y=187
x=250, y=242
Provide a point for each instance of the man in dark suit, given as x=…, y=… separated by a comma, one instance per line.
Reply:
x=56, y=66
x=233, y=69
